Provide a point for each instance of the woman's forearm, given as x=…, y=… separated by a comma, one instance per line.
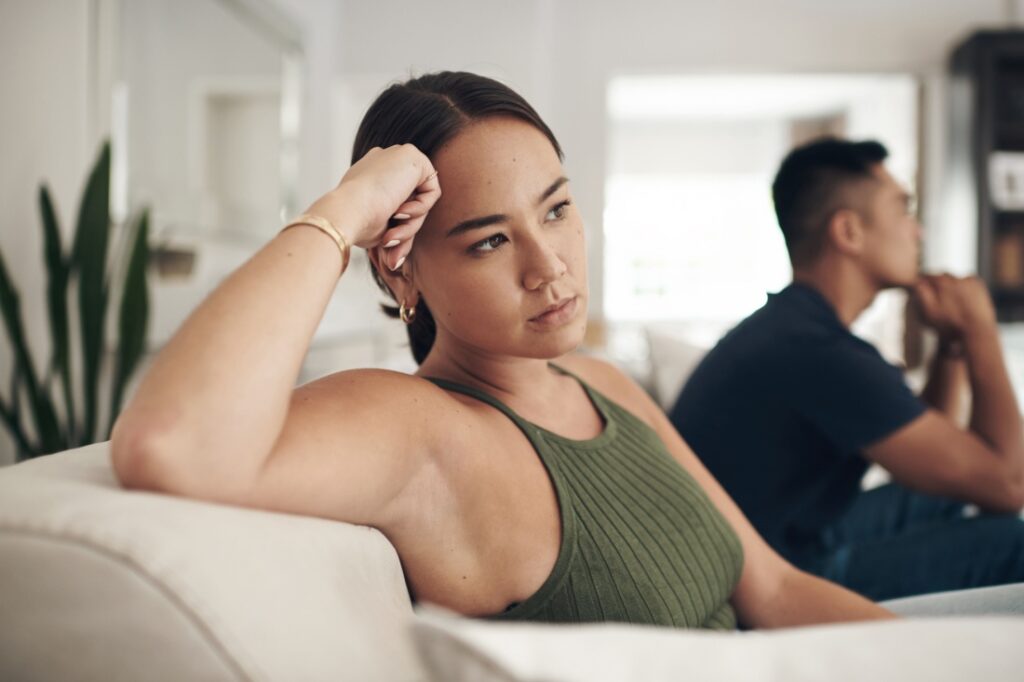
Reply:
x=222, y=383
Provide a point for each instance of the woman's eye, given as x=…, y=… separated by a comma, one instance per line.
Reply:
x=558, y=211
x=489, y=244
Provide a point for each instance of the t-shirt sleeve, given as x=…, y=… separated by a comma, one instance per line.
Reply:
x=851, y=394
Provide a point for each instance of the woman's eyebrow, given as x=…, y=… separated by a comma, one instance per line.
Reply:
x=485, y=221
x=476, y=223
x=552, y=189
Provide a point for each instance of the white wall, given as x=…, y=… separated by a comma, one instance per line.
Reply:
x=176, y=57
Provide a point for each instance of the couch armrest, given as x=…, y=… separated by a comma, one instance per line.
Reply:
x=97, y=582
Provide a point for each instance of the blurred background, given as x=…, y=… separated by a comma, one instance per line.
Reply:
x=227, y=116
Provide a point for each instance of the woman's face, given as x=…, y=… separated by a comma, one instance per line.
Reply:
x=501, y=258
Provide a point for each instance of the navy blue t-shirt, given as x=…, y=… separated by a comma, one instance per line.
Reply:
x=780, y=410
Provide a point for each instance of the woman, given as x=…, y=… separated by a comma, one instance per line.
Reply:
x=514, y=479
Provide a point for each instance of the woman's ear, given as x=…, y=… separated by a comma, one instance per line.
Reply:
x=399, y=281
x=846, y=231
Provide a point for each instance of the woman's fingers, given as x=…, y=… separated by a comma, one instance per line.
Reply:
x=395, y=257
x=398, y=183
x=401, y=232
x=428, y=191
x=419, y=202
x=396, y=241
x=422, y=199
x=417, y=205
x=394, y=188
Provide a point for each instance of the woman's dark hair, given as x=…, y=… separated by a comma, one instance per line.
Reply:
x=427, y=112
x=808, y=189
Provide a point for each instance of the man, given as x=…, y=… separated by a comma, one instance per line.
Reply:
x=790, y=408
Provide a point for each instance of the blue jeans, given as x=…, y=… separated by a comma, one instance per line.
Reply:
x=894, y=542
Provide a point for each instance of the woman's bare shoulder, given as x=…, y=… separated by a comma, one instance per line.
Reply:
x=399, y=403
x=372, y=384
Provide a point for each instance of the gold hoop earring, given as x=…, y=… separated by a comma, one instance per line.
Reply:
x=407, y=315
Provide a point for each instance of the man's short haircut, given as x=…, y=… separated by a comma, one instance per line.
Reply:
x=808, y=189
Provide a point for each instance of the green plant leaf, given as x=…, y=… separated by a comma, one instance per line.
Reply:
x=88, y=264
x=133, y=316
x=10, y=419
x=45, y=417
x=30, y=415
x=12, y=416
x=57, y=306
x=15, y=391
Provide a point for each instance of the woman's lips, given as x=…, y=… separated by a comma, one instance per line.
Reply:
x=557, y=316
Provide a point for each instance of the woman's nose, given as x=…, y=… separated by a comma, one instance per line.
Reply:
x=543, y=265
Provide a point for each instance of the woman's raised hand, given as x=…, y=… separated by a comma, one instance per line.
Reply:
x=382, y=200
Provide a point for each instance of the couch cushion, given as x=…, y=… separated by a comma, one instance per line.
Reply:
x=938, y=650
x=99, y=583
x=676, y=348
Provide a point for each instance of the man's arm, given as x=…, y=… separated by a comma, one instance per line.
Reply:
x=995, y=415
x=947, y=386
x=984, y=464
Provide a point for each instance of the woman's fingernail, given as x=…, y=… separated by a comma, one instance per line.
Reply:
x=393, y=242
x=399, y=263
x=401, y=216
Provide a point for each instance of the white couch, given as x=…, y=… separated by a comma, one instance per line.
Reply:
x=98, y=583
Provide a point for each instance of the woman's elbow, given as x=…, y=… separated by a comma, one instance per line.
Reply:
x=162, y=457
x=141, y=456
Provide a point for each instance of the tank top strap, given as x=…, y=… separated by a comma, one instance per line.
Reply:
x=586, y=387
x=608, y=409
x=482, y=396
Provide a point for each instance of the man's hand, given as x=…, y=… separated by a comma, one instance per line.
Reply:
x=953, y=306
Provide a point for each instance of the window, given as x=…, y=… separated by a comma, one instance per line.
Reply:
x=690, y=230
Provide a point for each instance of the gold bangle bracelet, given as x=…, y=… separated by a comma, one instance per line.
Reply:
x=324, y=225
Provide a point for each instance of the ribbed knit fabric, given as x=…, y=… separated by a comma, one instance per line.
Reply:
x=641, y=541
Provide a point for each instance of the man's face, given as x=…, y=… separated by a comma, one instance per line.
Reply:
x=892, y=235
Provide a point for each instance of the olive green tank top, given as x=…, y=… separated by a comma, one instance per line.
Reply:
x=641, y=541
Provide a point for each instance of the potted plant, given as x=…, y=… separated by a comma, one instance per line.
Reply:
x=44, y=412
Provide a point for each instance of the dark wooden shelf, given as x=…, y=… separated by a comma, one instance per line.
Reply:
x=1010, y=140
x=992, y=63
x=1009, y=303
